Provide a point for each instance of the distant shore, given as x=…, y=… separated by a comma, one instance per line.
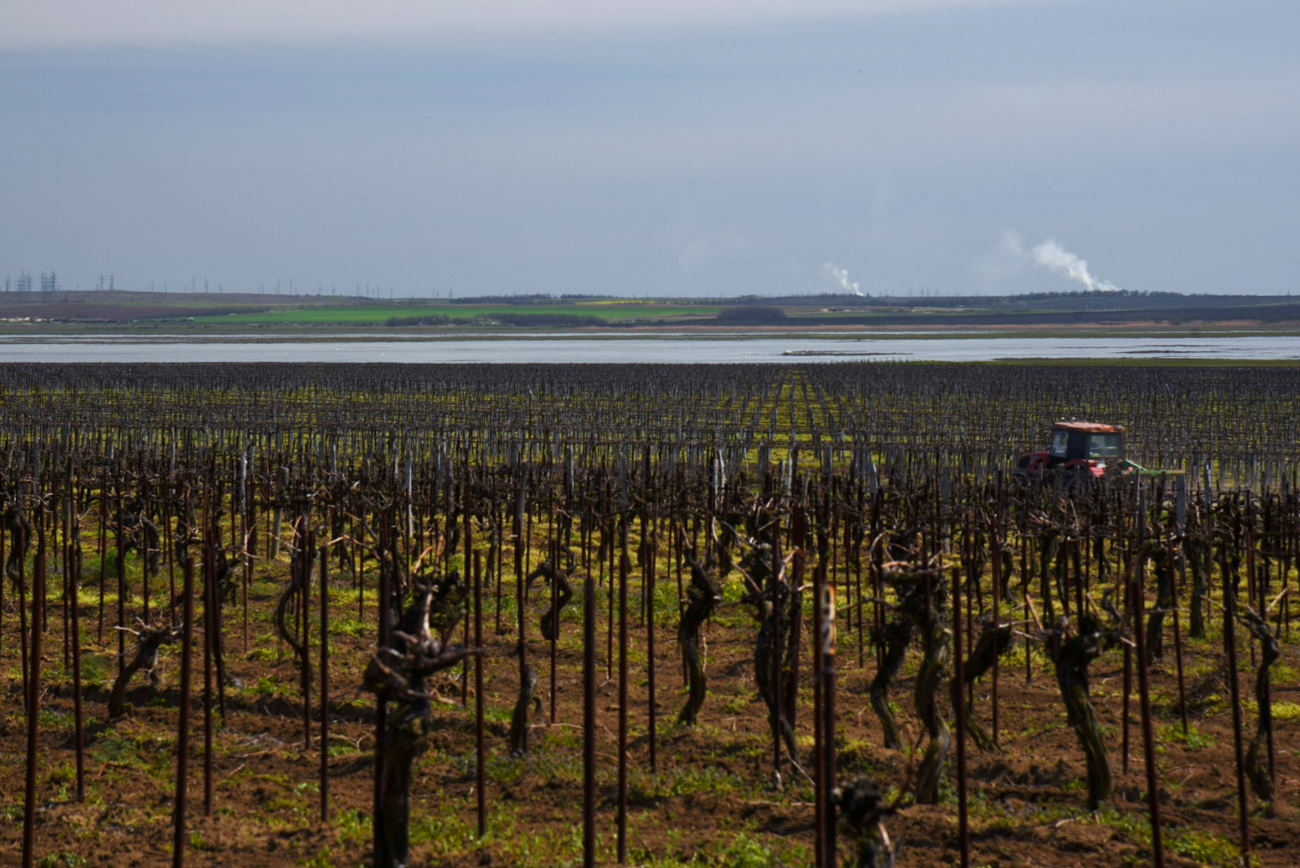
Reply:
x=314, y=317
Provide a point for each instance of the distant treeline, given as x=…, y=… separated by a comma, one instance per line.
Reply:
x=1174, y=315
x=751, y=313
x=531, y=298
x=562, y=320
x=1082, y=300
x=733, y=315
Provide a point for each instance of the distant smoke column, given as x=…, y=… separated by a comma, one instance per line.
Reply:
x=1054, y=257
x=840, y=277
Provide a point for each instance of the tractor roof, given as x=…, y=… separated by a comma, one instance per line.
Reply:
x=1090, y=427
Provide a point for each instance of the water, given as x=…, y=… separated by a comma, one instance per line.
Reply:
x=562, y=348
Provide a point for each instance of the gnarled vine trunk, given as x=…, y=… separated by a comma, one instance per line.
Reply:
x=863, y=810
x=519, y=717
x=893, y=638
x=149, y=638
x=1257, y=763
x=557, y=576
x=935, y=649
x=399, y=674
x=994, y=642
x=702, y=596
x=1163, y=567
x=1070, y=655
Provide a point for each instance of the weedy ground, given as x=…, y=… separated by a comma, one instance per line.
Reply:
x=711, y=800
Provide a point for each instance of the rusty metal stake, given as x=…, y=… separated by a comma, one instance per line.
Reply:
x=324, y=683
x=183, y=738
x=589, y=722
x=827, y=637
x=73, y=565
x=1148, y=737
x=650, y=646
x=1230, y=644
x=959, y=705
x=34, y=701
x=479, y=741
x=209, y=591
x=622, y=698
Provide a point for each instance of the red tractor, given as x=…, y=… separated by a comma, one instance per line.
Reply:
x=1081, y=450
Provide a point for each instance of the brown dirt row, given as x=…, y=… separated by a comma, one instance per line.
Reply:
x=711, y=801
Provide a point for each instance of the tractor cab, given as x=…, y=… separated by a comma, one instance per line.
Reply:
x=1080, y=448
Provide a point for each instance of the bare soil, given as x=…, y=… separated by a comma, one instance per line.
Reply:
x=712, y=799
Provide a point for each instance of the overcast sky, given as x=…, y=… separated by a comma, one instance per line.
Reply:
x=660, y=147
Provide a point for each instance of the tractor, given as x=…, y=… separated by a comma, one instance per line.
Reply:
x=1080, y=450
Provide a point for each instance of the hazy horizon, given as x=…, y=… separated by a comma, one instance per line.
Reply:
x=956, y=147
x=381, y=294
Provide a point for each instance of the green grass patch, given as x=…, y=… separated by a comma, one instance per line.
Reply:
x=1194, y=738
x=112, y=749
x=1286, y=711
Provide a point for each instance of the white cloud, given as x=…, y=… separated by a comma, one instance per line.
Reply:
x=40, y=23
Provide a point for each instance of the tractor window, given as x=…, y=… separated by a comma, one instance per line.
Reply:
x=1103, y=446
x=1060, y=440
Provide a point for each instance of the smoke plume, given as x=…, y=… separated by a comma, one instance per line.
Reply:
x=840, y=277
x=1055, y=258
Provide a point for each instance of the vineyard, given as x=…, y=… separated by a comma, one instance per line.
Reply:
x=341, y=615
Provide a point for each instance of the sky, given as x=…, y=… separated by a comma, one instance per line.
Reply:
x=652, y=147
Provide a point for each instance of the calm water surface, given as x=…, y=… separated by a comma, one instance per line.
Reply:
x=662, y=349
